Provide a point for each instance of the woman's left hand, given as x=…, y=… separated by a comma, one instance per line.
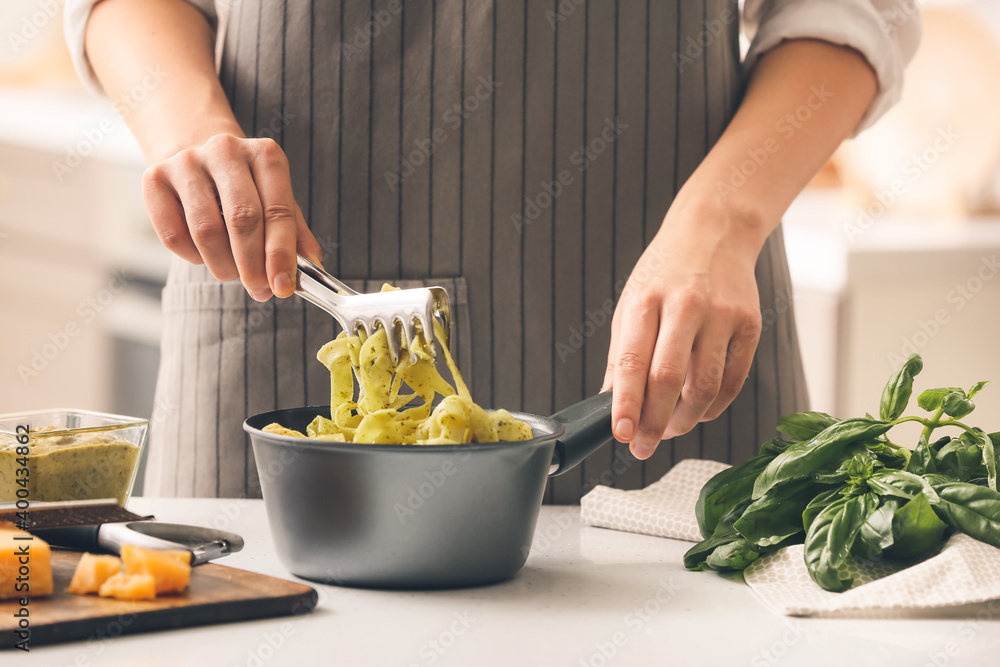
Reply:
x=687, y=324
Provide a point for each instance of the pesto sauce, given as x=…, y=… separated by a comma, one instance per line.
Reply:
x=70, y=467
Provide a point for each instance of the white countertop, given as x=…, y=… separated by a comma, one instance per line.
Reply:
x=583, y=590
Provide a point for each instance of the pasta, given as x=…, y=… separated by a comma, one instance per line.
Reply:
x=383, y=414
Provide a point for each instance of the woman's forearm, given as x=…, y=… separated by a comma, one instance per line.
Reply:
x=804, y=97
x=126, y=41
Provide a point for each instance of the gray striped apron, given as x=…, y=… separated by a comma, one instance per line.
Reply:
x=520, y=153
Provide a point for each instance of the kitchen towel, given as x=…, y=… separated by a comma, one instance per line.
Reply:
x=965, y=571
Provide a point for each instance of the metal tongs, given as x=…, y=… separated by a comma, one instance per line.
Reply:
x=396, y=311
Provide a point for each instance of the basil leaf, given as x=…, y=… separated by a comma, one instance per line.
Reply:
x=831, y=537
x=898, y=484
x=860, y=468
x=774, y=446
x=777, y=515
x=972, y=509
x=735, y=555
x=931, y=399
x=938, y=444
x=838, y=476
x=957, y=405
x=804, y=458
x=856, y=467
x=696, y=557
x=922, y=459
x=726, y=489
x=990, y=459
x=897, y=390
x=961, y=458
x=930, y=481
x=876, y=534
x=804, y=425
x=724, y=533
x=817, y=504
x=976, y=388
x=916, y=529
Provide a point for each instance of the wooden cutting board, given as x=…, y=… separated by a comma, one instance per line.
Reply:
x=217, y=594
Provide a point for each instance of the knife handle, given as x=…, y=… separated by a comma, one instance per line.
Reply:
x=80, y=538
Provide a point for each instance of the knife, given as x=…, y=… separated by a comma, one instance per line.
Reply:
x=204, y=544
x=101, y=524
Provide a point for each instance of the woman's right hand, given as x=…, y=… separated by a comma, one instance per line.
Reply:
x=229, y=204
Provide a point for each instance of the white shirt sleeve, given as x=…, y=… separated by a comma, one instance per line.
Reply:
x=885, y=32
x=75, y=16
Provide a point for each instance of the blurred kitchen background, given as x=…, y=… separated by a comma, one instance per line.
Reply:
x=894, y=248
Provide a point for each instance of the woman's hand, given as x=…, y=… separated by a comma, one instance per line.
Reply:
x=229, y=204
x=687, y=324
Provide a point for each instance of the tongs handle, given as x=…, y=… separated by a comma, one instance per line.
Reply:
x=321, y=289
x=312, y=270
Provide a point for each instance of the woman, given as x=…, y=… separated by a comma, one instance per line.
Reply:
x=550, y=162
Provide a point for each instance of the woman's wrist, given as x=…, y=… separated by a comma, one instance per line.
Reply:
x=178, y=128
x=161, y=148
x=735, y=221
x=168, y=124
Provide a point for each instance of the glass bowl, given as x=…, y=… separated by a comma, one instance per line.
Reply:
x=59, y=454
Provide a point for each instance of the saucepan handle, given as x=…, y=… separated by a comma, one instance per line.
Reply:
x=587, y=427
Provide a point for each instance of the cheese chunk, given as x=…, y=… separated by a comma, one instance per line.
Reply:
x=32, y=554
x=170, y=568
x=92, y=571
x=129, y=587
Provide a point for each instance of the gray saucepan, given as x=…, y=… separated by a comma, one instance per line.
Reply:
x=410, y=516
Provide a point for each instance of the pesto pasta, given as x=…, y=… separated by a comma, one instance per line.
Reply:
x=384, y=414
